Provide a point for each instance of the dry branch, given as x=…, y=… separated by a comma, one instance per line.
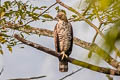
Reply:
x=71, y=74
x=71, y=60
x=1, y=71
x=31, y=78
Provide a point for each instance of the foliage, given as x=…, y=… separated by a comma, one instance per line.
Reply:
x=107, y=10
x=112, y=36
x=20, y=13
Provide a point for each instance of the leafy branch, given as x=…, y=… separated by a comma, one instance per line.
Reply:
x=41, y=13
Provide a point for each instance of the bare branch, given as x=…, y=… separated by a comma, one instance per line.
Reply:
x=28, y=78
x=83, y=14
x=1, y=71
x=71, y=74
x=96, y=33
x=69, y=59
x=93, y=47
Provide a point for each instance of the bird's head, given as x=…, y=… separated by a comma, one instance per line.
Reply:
x=61, y=16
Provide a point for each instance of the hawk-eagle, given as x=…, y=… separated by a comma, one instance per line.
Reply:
x=63, y=37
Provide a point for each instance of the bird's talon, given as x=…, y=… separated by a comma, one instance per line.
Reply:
x=63, y=55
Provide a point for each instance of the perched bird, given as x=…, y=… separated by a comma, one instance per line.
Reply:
x=63, y=37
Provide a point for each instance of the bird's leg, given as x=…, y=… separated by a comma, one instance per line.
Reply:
x=63, y=55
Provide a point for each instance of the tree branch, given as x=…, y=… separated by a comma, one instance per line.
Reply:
x=93, y=47
x=93, y=41
x=71, y=60
x=28, y=78
x=109, y=77
x=71, y=74
x=1, y=71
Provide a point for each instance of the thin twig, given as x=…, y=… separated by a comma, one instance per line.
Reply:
x=96, y=33
x=1, y=71
x=71, y=74
x=0, y=3
x=41, y=13
x=28, y=78
x=83, y=14
x=93, y=41
x=87, y=9
x=98, y=16
x=0, y=13
x=109, y=77
x=79, y=3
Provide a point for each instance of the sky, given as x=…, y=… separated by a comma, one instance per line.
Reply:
x=30, y=62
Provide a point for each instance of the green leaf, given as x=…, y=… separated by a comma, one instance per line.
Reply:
x=43, y=7
x=47, y=16
x=2, y=39
x=22, y=35
x=2, y=14
x=2, y=21
x=16, y=18
x=27, y=26
x=57, y=8
x=22, y=47
x=23, y=15
x=20, y=22
x=112, y=36
x=74, y=16
x=35, y=16
x=7, y=4
x=36, y=8
x=1, y=51
x=62, y=11
x=9, y=48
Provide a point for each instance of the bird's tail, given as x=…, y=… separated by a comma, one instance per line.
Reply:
x=63, y=66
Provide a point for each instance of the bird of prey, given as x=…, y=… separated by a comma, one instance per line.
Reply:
x=63, y=37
